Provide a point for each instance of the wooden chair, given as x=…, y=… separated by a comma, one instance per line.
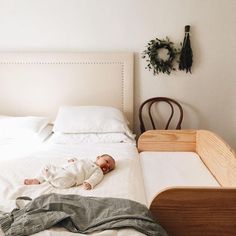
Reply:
x=149, y=104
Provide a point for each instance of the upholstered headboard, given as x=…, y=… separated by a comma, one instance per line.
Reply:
x=38, y=83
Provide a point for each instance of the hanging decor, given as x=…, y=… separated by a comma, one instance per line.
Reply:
x=186, y=55
x=155, y=61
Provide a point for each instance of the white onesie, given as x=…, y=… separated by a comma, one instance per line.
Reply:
x=73, y=174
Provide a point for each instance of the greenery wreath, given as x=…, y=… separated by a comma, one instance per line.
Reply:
x=155, y=62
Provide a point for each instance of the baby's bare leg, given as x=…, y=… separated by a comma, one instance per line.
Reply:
x=31, y=181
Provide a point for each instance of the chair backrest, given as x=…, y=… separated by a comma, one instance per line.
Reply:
x=149, y=105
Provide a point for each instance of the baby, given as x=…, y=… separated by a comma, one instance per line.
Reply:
x=75, y=173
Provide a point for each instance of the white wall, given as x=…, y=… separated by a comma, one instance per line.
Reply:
x=208, y=94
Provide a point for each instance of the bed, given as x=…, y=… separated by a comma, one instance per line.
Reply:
x=194, y=173
x=45, y=83
x=54, y=85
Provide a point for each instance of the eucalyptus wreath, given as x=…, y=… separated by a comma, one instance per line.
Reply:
x=155, y=62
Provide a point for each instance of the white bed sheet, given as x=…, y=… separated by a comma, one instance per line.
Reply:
x=12, y=150
x=124, y=182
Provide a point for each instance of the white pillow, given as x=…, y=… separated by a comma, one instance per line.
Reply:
x=44, y=134
x=60, y=138
x=90, y=119
x=11, y=125
x=26, y=137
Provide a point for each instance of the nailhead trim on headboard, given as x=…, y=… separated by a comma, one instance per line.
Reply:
x=72, y=63
x=125, y=73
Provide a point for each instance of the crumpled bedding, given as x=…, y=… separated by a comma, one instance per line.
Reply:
x=79, y=214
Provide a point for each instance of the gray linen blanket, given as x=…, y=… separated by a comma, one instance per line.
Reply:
x=79, y=214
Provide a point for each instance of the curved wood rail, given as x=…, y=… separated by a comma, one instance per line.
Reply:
x=218, y=156
x=167, y=140
x=196, y=211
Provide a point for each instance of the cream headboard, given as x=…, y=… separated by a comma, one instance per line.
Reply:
x=38, y=83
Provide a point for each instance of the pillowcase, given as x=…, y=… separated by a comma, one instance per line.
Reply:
x=26, y=137
x=60, y=138
x=11, y=126
x=90, y=119
x=44, y=134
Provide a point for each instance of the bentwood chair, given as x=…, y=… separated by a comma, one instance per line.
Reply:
x=152, y=104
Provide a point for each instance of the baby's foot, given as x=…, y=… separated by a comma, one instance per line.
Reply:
x=31, y=181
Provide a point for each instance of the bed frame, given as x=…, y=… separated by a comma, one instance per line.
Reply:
x=196, y=210
x=38, y=83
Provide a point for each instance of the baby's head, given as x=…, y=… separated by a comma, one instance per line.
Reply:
x=106, y=163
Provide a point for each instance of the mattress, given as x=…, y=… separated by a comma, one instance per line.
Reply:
x=163, y=170
x=123, y=182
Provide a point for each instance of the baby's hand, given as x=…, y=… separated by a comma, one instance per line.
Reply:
x=87, y=186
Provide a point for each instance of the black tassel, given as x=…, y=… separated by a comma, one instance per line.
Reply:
x=186, y=54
